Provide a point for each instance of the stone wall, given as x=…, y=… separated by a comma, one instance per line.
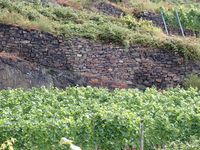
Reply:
x=113, y=66
x=84, y=62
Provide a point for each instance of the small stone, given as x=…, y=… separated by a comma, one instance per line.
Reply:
x=129, y=82
x=110, y=69
x=159, y=80
x=176, y=78
x=79, y=55
x=119, y=85
x=94, y=81
x=138, y=59
x=170, y=74
x=25, y=42
x=146, y=83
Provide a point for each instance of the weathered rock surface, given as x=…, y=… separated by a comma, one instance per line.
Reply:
x=18, y=73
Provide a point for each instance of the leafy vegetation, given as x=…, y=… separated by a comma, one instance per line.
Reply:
x=192, y=81
x=93, y=117
x=154, y=5
x=192, y=144
x=190, y=18
x=97, y=118
x=71, y=22
x=8, y=144
x=188, y=11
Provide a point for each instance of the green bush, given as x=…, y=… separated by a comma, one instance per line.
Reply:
x=190, y=18
x=93, y=117
x=192, y=144
x=115, y=34
x=192, y=81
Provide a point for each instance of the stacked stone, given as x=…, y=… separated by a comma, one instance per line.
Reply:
x=34, y=46
x=72, y=61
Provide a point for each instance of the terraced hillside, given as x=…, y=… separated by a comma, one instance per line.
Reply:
x=137, y=69
x=100, y=43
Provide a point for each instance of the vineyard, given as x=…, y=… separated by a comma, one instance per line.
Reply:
x=100, y=119
x=190, y=18
x=97, y=118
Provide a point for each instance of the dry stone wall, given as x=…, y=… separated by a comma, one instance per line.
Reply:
x=63, y=62
x=113, y=66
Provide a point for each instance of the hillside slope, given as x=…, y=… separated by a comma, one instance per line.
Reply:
x=64, y=43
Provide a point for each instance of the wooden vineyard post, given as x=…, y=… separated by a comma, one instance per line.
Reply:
x=179, y=22
x=163, y=18
x=142, y=135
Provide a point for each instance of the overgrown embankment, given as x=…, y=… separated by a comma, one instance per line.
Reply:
x=84, y=23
